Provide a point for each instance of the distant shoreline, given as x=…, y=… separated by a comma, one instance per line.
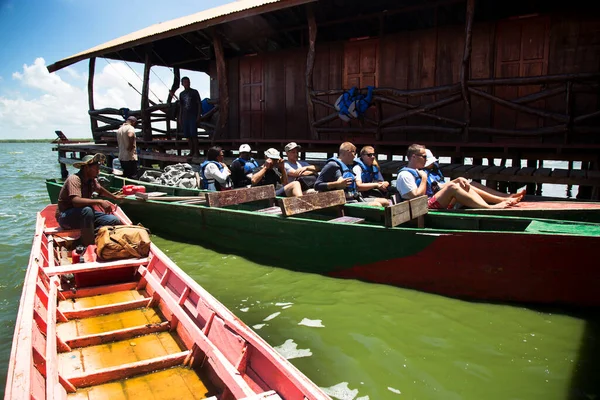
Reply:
x=36, y=140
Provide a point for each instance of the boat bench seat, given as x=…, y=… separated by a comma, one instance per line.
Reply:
x=406, y=211
x=239, y=196
x=311, y=202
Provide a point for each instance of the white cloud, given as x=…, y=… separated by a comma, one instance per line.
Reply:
x=44, y=102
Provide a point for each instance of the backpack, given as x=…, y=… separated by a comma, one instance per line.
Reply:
x=122, y=241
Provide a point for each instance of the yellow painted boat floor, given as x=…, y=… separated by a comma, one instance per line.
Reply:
x=108, y=322
x=177, y=383
x=92, y=358
x=100, y=300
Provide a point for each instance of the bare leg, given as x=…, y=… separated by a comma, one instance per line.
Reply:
x=293, y=189
x=470, y=199
x=194, y=148
x=493, y=196
x=380, y=202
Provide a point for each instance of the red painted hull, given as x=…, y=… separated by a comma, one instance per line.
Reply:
x=530, y=269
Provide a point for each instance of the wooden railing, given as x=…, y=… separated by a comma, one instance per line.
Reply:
x=567, y=86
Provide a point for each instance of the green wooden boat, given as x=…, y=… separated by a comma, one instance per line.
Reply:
x=532, y=207
x=482, y=257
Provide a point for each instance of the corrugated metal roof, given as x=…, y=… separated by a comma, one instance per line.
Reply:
x=200, y=20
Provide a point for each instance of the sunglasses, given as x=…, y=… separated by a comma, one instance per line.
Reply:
x=369, y=154
x=421, y=155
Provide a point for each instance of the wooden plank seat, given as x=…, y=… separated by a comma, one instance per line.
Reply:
x=311, y=202
x=406, y=211
x=239, y=196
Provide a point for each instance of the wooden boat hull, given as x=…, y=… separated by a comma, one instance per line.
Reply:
x=494, y=265
x=533, y=207
x=155, y=332
x=489, y=258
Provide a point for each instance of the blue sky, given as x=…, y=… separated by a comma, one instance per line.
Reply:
x=36, y=33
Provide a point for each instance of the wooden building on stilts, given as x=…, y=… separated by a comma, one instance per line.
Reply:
x=477, y=79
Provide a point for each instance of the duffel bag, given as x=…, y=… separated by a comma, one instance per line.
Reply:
x=122, y=241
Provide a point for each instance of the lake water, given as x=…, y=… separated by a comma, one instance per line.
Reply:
x=356, y=340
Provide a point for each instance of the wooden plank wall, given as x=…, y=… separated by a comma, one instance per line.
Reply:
x=420, y=59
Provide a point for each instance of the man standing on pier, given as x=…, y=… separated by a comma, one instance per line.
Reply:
x=190, y=111
x=127, y=149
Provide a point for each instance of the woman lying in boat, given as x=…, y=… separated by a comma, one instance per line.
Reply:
x=412, y=182
x=272, y=172
x=435, y=181
x=215, y=173
x=369, y=180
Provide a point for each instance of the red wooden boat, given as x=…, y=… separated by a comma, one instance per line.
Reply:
x=133, y=327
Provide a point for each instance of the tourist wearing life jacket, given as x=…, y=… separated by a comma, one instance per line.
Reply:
x=215, y=173
x=337, y=174
x=435, y=181
x=369, y=180
x=458, y=190
x=435, y=178
x=299, y=170
x=243, y=167
x=272, y=172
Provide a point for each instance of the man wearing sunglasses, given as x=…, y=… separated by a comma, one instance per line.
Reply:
x=76, y=209
x=412, y=182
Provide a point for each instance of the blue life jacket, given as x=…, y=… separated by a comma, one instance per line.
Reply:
x=346, y=173
x=248, y=165
x=413, y=172
x=353, y=104
x=433, y=175
x=369, y=174
x=206, y=106
x=210, y=184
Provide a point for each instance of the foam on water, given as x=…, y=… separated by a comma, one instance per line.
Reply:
x=289, y=349
x=313, y=323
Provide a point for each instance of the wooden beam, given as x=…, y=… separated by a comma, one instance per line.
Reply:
x=104, y=375
x=427, y=107
x=311, y=202
x=106, y=309
x=518, y=107
x=93, y=266
x=118, y=335
x=223, y=86
x=238, y=196
x=146, y=124
x=92, y=68
x=465, y=68
x=310, y=64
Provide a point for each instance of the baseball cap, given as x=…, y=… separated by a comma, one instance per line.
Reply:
x=132, y=119
x=245, y=148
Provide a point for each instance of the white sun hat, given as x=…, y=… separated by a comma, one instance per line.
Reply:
x=430, y=158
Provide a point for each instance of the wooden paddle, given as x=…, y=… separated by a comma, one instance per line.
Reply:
x=145, y=196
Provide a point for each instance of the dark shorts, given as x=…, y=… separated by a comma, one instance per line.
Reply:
x=129, y=169
x=280, y=191
x=190, y=128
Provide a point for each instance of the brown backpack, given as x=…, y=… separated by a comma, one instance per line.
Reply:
x=122, y=241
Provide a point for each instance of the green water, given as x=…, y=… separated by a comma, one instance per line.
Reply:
x=354, y=339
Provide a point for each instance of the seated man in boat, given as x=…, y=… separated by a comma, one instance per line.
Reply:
x=369, y=181
x=412, y=182
x=215, y=173
x=435, y=181
x=243, y=167
x=272, y=172
x=299, y=170
x=75, y=204
x=338, y=174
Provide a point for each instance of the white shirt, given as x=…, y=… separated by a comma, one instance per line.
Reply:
x=212, y=172
x=406, y=183
x=289, y=166
x=123, y=143
x=358, y=172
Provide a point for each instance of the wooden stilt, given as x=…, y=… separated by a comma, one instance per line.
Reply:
x=310, y=63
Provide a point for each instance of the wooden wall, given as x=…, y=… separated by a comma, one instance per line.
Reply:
x=267, y=95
